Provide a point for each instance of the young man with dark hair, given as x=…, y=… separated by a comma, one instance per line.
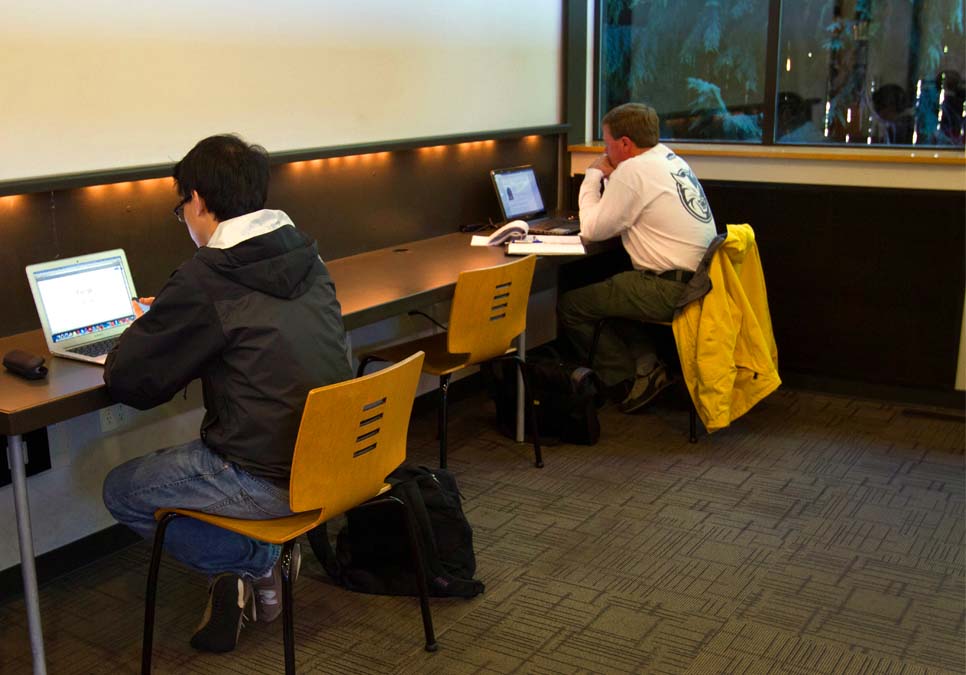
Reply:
x=656, y=204
x=254, y=315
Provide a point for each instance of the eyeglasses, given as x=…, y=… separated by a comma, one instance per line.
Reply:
x=179, y=209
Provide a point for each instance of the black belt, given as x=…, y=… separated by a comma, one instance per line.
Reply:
x=674, y=275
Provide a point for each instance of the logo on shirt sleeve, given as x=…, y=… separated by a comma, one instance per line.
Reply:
x=692, y=194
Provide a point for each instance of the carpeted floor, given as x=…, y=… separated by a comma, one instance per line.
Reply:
x=816, y=535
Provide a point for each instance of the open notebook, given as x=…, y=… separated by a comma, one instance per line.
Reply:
x=547, y=244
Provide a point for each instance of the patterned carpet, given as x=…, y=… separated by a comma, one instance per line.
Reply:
x=817, y=535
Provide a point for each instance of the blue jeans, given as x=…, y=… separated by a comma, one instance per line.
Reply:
x=191, y=476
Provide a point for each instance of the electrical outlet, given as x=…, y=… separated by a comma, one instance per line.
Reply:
x=114, y=417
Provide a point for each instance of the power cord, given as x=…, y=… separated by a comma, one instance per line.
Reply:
x=416, y=312
x=476, y=227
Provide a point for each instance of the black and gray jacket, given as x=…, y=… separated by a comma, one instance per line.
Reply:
x=259, y=323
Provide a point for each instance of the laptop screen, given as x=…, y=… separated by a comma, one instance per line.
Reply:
x=84, y=298
x=518, y=193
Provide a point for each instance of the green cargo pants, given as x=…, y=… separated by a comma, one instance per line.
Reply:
x=632, y=297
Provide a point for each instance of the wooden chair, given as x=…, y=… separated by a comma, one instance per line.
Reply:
x=489, y=310
x=693, y=419
x=353, y=434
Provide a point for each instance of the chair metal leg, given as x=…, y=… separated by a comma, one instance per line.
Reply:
x=151, y=593
x=288, y=622
x=693, y=437
x=531, y=411
x=288, y=627
x=420, y=572
x=598, y=329
x=693, y=415
x=443, y=399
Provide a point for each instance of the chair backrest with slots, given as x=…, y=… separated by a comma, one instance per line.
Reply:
x=490, y=309
x=353, y=435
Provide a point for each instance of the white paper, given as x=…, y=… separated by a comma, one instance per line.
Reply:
x=543, y=247
x=568, y=239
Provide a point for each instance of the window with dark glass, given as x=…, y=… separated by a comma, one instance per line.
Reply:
x=700, y=63
x=870, y=72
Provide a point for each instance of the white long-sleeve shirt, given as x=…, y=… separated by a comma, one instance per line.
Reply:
x=657, y=206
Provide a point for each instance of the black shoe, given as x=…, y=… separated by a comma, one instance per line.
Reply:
x=228, y=598
x=645, y=388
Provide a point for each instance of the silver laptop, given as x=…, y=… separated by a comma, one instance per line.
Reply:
x=519, y=197
x=84, y=303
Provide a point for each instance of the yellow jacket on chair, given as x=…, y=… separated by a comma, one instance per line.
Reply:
x=728, y=354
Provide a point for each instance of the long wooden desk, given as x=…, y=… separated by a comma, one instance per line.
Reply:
x=371, y=286
x=391, y=281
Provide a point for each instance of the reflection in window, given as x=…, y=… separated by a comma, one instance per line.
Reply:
x=871, y=72
x=700, y=63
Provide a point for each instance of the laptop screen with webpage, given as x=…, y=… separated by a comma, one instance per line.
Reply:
x=83, y=299
x=518, y=193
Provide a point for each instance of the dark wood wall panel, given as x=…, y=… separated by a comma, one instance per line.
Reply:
x=864, y=284
x=350, y=204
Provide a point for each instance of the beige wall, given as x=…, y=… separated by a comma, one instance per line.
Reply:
x=103, y=84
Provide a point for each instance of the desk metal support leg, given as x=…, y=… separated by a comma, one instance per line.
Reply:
x=522, y=351
x=30, y=595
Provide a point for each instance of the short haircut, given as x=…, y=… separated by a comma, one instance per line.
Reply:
x=637, y=121
x=228, y=173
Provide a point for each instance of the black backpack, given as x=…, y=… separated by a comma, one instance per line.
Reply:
x=372, y=550
x=567, y=395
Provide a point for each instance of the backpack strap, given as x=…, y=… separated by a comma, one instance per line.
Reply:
x=405, y=482
x=460, y=588
x=319, y=536
x=438, y=577
x=408, y=493
x=406, y=488
x=319, y=541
